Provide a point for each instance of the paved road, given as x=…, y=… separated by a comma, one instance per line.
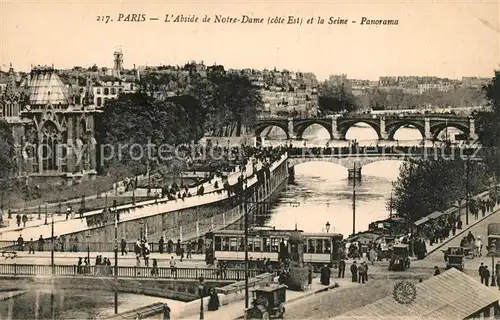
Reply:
x=480, y=229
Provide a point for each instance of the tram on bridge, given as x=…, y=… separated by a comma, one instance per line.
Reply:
x=229, y=246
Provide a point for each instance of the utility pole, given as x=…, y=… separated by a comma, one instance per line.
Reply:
x=246, y=246
x=354, y=201
x=116, y=258
x=53, y=244
x=467, y=191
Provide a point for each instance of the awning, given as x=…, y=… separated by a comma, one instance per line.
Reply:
x=435, y=215
x=421, y=221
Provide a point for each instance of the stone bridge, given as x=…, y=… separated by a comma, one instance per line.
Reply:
x=384, y=125
x=347, y=161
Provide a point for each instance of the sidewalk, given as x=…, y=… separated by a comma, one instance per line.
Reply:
x=74, y=224
x=235, y=309
x=465, y=228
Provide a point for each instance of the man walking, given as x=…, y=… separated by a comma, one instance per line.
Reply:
x=341, y=268
x=481, y=273
x=354, y=272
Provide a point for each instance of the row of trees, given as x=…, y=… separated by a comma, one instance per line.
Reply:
x=428, y=185
x=218, y=103
x=337, y=97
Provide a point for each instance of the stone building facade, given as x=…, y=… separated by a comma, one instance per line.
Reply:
x=53, y=125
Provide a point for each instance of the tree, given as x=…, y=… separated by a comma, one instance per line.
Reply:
x=134, y=126
x=334, y=98
x=488, y=124
x=425, y=186
x=7, y=151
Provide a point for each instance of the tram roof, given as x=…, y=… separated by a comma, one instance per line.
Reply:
x=276, y=231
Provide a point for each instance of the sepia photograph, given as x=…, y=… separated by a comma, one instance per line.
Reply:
x=289, y=159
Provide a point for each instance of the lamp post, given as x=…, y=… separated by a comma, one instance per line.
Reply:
x=354, y=201
x=492, y=252
x=327, y=226
x=467, y=191
x=200, y=292
x=116, y=258
x=88, y=245
x=245, y=206
x=46, y=213
x=53, y=244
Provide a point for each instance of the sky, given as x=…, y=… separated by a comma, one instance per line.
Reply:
x=433, y=38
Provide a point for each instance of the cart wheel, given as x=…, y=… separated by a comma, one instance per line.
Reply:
x=265, y=316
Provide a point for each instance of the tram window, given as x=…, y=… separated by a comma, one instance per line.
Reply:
x=218, y=244
x=257, y=245
x=233, y=244
x=275, y=245
x=242, y=245
x=319, y=245
x=225, y=243
x=328, y=246
x=267, y=244
x=310, y=246
x=250, y=244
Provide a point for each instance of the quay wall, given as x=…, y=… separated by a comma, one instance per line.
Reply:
x=193, y=222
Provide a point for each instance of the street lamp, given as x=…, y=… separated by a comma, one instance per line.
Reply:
x=53, y=244
x=46, y=213
x=327, y=226
x=492, y=252
x=88, y=245
x=116, y=258
x=200, y=292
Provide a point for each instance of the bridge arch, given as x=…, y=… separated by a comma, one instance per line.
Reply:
x=301, y=126
x=345, y=126
x=438, y=128
x=260, y=127
x=393, y=127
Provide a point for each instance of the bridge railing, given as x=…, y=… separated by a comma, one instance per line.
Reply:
x=385, y=150
x=100, y=247
x=125, y=272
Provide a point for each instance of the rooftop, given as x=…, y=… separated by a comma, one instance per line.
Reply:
x=46, y=87
x=450, y=295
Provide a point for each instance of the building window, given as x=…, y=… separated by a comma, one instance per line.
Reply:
x=113, y=91
x=98, y=91
x=120, y=89
x=99, y=101
x=106, y=91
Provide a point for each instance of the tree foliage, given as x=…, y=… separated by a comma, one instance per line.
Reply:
x=425, y=186
x=7, y=151
x=488, y=124
x=397, y=98
x=334, y=98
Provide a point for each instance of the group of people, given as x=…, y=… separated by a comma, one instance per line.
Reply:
x=485, y=274
x=359, y=272
x=474, y=243
x=102, y=266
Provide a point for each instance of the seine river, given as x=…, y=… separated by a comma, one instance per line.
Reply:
x=323, y=192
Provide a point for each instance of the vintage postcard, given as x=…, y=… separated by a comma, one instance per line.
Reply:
x=249, y=159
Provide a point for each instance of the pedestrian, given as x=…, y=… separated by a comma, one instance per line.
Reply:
x=154, y=270
x=481, y=273
x=325, y=275
x=166, y=312
x=497, y=274
x=123, y=246
x=20, y=243
x=436, y=271
x=366, y=270
x=31, y=246
x=341, y=268
x=354, y=272
x=173, y=268
x=361, y=273
x=161, y=243
x=487, y=274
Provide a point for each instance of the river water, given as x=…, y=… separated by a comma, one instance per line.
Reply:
x=324, y=193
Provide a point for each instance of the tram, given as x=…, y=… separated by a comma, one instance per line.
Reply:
x=263, y=244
